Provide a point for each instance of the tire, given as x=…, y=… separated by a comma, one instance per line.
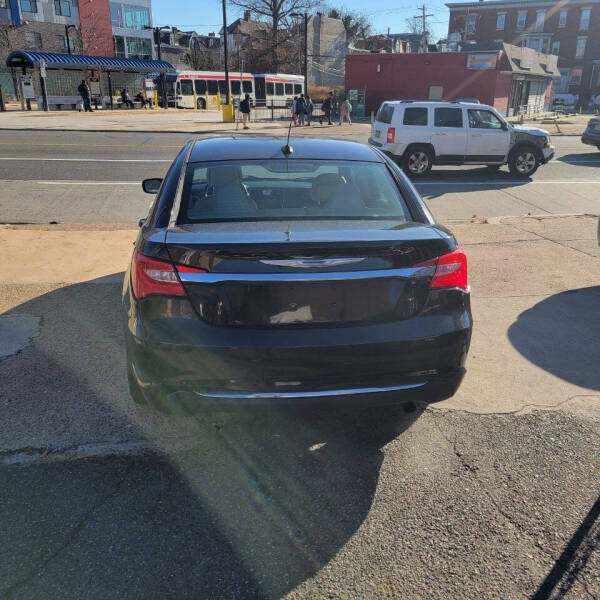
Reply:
x=134, y=389
x=201, y=103
x=417, y=161
x=523, y=161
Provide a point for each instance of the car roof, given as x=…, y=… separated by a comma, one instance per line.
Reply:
x=248, y=148
x=436, y=103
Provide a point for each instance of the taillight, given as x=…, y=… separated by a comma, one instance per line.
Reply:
x=391, y=135
x=151, y=277
x=450, y=270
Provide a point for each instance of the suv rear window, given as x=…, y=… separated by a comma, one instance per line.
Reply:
x=385, y=113
x=415, y=116
x=290, y=190
x=448, y=117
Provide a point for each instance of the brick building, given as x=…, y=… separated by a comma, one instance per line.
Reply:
x=569, y=29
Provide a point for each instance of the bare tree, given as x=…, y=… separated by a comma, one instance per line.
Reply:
x=415, y=25
x=277, y=13
x=200, y=58
x=356, y=24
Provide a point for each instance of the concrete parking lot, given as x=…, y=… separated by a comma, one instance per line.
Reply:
x=491, y=494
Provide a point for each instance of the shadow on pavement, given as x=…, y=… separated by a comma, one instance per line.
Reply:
x=560, y=334
x=260, y=502
x=593, y=157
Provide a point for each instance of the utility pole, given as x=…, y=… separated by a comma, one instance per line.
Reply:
x=305, y=15
x=425, y=33
x=163, y=78
x=225, y=53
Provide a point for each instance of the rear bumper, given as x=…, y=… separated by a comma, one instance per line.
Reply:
x=591, y=139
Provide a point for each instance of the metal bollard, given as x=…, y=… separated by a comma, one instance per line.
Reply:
x=2, y=106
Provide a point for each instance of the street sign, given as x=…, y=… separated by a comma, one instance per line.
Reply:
x=149, y=86
x=43, y=65
x=94, y=86
x=27, y=87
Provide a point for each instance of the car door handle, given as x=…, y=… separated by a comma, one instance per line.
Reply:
x=440, y=133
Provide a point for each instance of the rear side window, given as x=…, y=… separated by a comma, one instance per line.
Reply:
x=200, y=86
x=222, y=86
x=297, y=88
x=289, y=88
x=279, y=89
x=213, y=87
x=415, y=116
x=247, y=87
x=385, y=113
x=448, y=117
x=187, y=87
x=270, y=88
x=290, y=190
x=235, y=88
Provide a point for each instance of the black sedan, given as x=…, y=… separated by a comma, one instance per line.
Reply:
x=274, y=273
x=591, y=136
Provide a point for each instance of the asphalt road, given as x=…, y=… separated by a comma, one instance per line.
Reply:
x=94, y=177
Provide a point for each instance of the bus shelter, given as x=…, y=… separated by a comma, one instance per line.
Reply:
x=52, y=78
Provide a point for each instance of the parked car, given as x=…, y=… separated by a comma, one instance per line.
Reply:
x=269, y=274
x=591, y=135
x=418, y=135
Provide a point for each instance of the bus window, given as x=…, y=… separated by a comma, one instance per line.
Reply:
x=297, y=88
x=213, y=88
x=187, y=88
x=235, y=88
x=222, y=86
x=289, y=89
x=270, y=88
x=247, y=87
x=279, y=89
x=200, y=86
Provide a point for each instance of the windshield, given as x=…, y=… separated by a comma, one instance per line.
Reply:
x=290, y=189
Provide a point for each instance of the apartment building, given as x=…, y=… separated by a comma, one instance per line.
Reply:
x=567, y=28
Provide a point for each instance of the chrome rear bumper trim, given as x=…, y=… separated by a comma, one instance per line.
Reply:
x=283, y=277
x=314, y=394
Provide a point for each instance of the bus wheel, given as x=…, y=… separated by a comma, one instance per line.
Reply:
x=201, y=103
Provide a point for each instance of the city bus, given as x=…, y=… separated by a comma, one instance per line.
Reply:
x=207, y=88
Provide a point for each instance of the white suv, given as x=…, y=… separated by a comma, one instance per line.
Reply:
x=418, y=135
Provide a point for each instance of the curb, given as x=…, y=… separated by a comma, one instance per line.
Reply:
x=500, y=220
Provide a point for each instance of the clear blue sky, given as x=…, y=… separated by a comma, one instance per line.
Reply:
x=205, y=15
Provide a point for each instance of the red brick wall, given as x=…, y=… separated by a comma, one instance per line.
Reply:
x=409, y=76
x=96, y=27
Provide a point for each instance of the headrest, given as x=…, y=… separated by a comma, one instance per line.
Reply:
x=325, y=186
x=224, y=175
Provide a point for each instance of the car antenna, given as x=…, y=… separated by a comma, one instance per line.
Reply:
x=287, y=149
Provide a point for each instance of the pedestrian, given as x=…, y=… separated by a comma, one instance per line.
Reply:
x=245, y=110
x=309, y=110
x=294, y=113
x=326, y=108
x=145, y=102
x=84, y=92
x=301, y=109
x=125, y=99
x=345, y=110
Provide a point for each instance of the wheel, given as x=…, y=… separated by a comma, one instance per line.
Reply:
x=134, y=388
x=523, y=162
x=418, y=161
x=493, y=168
x=201, y=103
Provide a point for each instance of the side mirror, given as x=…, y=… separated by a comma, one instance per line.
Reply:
x=505, y=125
x=141, y=222
x=151, y=186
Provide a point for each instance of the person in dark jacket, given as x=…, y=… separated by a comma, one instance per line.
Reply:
x=84, y=92
x=327, y=107
x=301, y=109
x=245, y=110
x=125, y=98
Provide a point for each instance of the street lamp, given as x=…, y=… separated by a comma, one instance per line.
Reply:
x=305, y=15
x=163, y=84
x=67, y=27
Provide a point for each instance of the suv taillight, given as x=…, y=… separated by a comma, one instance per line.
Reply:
x=450, y=270
x=391, y=135
x=153, y=277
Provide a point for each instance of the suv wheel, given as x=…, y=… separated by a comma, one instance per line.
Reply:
x=523, y=162
x=418, y=161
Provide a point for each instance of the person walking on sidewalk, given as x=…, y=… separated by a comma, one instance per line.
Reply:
x=301, y=109
x=245, y=110
x=327, y=107
x=309, y=110
x=294, y=113
x=345, y=110
x=84, y=92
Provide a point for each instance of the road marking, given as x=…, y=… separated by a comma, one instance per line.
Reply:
x=89, y=183
x=418, y=183
x=90, y=145
x=125, y=160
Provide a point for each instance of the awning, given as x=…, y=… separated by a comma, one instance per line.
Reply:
x=79, y=62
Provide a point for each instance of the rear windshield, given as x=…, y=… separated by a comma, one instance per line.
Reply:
x=290, y=190
x=385, y=113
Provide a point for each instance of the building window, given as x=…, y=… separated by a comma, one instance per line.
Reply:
x=62, y=43
x=540, y=17
x=500, y=21
x=470, y=24
x=584, y=21
x=136, y=17
x=2, y=3
x=580, y=50
x=119, y=46
x=556, y=47
x=29, y=6
x=562, y=19
x=33, y=40
x=139, y=48
x=62, y=8
x=521, y=20
x=116, y=15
